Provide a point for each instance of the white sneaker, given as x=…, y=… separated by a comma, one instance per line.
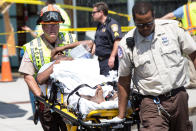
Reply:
x=114, y=120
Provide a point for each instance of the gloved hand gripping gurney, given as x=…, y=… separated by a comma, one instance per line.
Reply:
x=80, y=77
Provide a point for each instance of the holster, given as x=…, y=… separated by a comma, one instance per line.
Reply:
x=135, y=103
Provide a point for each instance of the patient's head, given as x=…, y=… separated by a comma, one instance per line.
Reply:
x=57, y=56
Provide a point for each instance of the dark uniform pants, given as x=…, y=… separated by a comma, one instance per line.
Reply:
x=176, y=105
x=51, y=121
x=104, y=68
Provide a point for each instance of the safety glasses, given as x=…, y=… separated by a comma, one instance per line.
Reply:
x=149, y=24
x=51, y=16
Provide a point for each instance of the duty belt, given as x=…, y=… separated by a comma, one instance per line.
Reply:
x=167, y=94
x=101, y=58
x=172, y=92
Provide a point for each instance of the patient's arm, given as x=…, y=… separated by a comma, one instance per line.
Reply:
x=89, y=43
x=45, y=75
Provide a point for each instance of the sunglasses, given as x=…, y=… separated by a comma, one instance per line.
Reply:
x=149, y=24
x=94, y=12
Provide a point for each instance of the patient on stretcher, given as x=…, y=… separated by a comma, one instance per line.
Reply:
x=73, y=73
x=99, y=97
x=44, y=75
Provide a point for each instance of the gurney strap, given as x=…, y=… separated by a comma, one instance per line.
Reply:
x=78, y=109
x=77, y=88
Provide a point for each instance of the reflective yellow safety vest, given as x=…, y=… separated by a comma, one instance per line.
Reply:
x=189, y=18
x=40, y=54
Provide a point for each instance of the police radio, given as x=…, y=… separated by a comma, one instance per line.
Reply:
x=130, y=42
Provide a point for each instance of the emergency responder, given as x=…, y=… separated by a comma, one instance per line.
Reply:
x=38, y=31
x=187, y=14
x=107, y=37
x=37, y=53
x=154, y=49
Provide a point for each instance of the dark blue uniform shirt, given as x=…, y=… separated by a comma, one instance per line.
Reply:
x=105, y=36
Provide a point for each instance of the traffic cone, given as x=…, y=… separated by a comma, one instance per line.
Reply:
x=6, y=75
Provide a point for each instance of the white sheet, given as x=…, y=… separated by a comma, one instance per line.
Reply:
x=77, y=72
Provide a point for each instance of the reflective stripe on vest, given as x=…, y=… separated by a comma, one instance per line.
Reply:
x=38, y=52
x=33, y=56
x=37, y=55
x=70, y=38
x=189, y=19
x=64, y=36
x=188, y=16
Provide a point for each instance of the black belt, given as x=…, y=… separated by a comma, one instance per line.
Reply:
x=101, y=58
x=172, y=92
x=167, y=94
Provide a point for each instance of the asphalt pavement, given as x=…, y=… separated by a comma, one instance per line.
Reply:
x=15, y=108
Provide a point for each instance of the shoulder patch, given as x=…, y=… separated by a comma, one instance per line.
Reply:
x=120, y=52
x=27, y=60
x=114, y=27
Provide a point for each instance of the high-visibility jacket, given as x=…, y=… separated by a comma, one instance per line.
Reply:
x=40, y=54
x=189, y=18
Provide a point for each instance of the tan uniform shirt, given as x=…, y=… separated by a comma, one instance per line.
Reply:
x=26, y=65
x=159, y=64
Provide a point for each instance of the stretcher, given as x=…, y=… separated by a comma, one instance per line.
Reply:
x=93, y=121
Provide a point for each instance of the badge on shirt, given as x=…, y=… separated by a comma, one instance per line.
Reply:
x=120, y=52
x=165, y=41
x=114, y=27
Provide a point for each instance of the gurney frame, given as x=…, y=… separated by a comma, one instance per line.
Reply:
x=75, y=123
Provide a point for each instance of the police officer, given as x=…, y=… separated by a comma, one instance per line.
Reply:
x=107, y=37
x=155, y=53
x=187, y=14
x=37, y=53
